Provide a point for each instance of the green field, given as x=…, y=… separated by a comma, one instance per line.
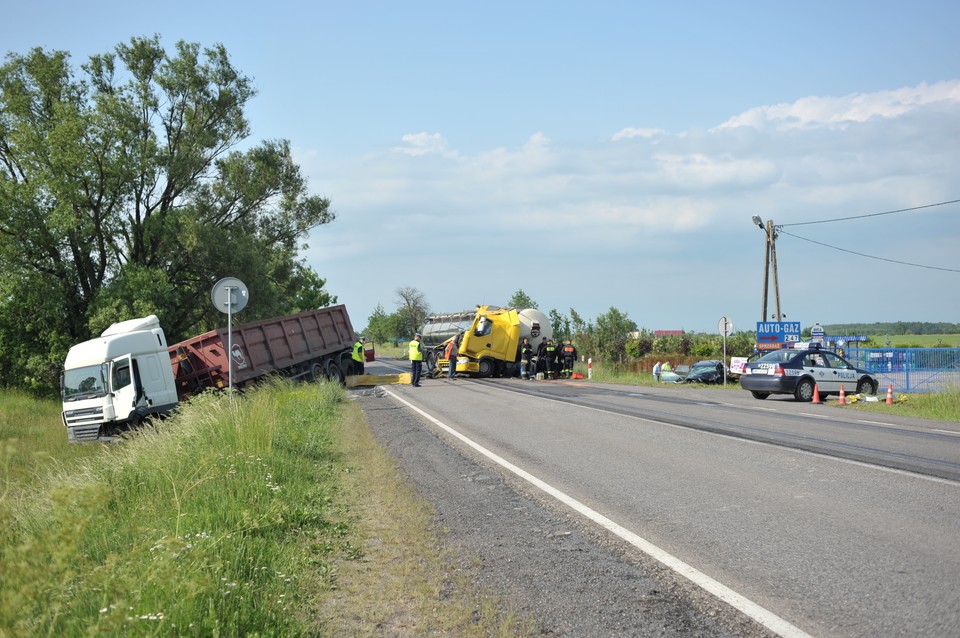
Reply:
x=922, y=341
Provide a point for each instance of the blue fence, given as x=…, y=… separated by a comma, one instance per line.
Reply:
x=910, y=369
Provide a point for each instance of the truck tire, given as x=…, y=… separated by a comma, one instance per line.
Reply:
x=486, y=367
x=346, y=363
x=334, y=373
x=317, y=372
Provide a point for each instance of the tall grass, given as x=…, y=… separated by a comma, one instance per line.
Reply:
x=32, y=437
x=202, y=526
x=942, y=406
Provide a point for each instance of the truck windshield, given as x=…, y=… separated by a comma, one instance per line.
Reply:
x=483, y=328
x=84, y=383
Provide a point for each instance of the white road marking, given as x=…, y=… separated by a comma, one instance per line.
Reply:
x=950, y=432
x=746, y=606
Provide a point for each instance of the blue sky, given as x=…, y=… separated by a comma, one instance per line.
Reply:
x=598, y=154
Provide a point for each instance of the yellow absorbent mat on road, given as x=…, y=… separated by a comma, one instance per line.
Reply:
x=378, y=379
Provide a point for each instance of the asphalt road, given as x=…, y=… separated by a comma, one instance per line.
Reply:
x=829, y=522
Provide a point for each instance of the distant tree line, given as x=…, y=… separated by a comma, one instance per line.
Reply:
x=614, y=337
x=895, y=328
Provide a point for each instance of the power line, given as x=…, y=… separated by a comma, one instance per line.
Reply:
x=893, y=261
x=889, y=212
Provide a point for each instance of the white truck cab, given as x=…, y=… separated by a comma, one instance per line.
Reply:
x=119, y=378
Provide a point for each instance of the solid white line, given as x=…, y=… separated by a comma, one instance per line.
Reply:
x=950, y=432
x=746, y=606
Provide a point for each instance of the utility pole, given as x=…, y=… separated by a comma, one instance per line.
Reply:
x=772, y=240
x=769, y=263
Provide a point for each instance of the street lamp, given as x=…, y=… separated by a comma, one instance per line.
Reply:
x=769, y=263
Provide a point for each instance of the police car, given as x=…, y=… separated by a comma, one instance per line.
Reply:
x=796, y=370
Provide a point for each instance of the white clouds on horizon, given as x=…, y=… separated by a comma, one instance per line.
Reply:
x=668, y=214
x=841, y=111
x=816, y=154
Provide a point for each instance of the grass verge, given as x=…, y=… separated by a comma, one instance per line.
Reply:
x=404, y=583
x=273, y=515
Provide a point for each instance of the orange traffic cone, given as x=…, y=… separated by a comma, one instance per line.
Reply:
x=843, y=397
x=816, y=394
x=890, y=394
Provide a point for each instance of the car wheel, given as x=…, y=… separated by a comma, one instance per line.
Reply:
x=866, y=386
x=759, y=395
x=804, y=391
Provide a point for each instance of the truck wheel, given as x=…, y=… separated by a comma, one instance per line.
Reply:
x=334, y=373
x=346, y=363
x=486, y=367
x=804, y=391
x=317, y=372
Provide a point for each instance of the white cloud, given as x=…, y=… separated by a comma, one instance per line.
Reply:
x=631, y=132
x=424, y=143
x=841, y=111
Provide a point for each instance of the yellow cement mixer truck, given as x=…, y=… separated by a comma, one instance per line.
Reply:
x=490, y=342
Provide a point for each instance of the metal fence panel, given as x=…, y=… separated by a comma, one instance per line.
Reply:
x=910, y=369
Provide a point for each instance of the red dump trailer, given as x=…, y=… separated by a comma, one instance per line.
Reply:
x=314, y=344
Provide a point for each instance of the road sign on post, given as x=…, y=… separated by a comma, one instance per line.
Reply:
x=816, y=334
x=774, y=335
x=229, y=295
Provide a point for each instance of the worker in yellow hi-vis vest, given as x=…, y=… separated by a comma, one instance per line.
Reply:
x=358, y=356
x=416, y=360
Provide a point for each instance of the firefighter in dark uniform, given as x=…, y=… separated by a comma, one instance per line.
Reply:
x=543, y=367
x=569, y=355
x=526, y=355
x=553, y=368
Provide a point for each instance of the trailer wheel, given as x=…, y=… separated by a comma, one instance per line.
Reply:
x=334, y=373
x=346, y=363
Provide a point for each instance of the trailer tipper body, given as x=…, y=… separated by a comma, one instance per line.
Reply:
x=310, y=344
x=129, y=373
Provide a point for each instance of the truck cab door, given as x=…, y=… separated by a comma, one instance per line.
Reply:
x=124, y=388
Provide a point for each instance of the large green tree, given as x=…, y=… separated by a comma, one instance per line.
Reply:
x=412, y=310
x=521, y=300
x=123, y=192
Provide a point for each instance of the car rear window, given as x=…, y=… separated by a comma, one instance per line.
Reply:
x=777, y=356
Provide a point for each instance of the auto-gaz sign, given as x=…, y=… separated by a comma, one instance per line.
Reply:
x=773, y=335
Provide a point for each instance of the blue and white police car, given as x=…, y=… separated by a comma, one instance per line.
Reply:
x=797, y=370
